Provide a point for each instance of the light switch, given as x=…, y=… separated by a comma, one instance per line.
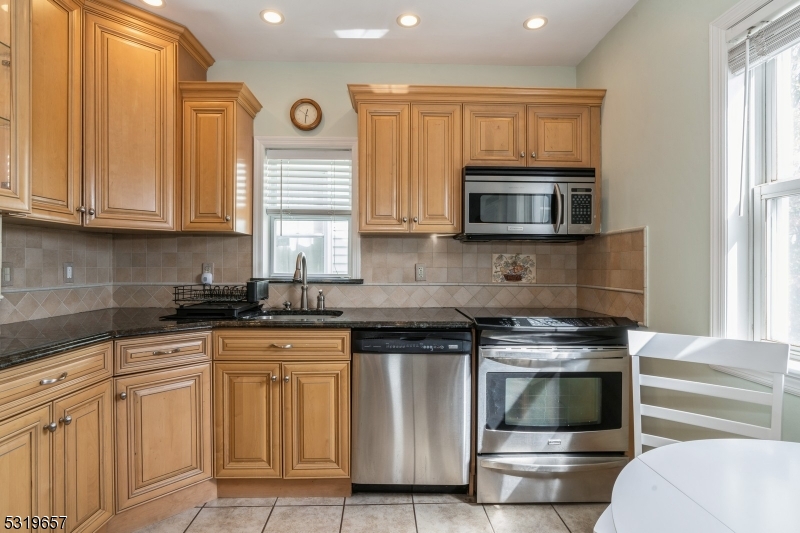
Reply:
x=69, y=273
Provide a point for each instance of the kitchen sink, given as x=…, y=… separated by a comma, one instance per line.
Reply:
x=297, y=315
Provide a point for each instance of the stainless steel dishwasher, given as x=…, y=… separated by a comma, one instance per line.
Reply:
x=411, y=408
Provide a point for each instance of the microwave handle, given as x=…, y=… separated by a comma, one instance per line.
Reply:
x=559, y=207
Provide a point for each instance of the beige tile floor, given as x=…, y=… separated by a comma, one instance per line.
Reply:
x=379, y=513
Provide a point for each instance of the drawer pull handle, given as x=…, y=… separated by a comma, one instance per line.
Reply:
x=166, y=352
x=67, y=420
x=283, y=346
x=62, y=377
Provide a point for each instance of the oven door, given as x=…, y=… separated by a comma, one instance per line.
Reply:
x=524, y=208
x=553, y=400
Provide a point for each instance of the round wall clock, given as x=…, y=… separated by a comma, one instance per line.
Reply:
x=305, y=114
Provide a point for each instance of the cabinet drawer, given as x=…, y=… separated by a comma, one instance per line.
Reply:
x=282, y=344
x=34, y=383
x=160, y=351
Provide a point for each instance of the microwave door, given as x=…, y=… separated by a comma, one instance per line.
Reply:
x=514, y=208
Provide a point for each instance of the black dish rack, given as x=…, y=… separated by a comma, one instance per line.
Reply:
x=188, y=294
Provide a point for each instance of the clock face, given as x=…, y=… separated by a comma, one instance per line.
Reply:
x=305, y=114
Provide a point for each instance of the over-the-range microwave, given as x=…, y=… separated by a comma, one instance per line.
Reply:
x=506, y=203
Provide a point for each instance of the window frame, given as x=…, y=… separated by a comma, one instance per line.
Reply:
x=261, y=234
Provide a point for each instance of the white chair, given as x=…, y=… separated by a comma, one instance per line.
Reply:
x=772, y=358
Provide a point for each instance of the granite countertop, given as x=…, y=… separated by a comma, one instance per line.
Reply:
x=22, y=342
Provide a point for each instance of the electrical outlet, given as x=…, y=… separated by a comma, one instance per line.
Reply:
x=69, y=273
x=419, y=272
x=208, y=268
x=7, y=277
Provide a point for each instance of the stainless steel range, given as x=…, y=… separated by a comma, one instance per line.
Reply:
x=552, y=407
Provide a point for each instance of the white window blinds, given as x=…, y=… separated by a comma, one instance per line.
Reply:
x=308, y=182
x=768, y=41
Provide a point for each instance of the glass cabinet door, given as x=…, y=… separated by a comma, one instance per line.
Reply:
x=14, y=105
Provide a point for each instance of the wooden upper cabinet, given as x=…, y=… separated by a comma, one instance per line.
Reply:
x=435, y=168
x=494, y=135
x=56, y=143
x=316, y=420
x=559, y=136
x=247, y=420
x=15, y=107
x=163, y=432
x=130, y=126
x=25, y=450
x=383, y=161
x=84, y=458
x=218, y=156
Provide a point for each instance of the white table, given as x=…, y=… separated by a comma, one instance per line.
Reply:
x=710, y=486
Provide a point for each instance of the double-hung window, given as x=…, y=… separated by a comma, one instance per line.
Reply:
x=308, y=208
x=763, y=301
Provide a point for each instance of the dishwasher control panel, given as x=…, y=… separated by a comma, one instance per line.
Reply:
x=393, y=342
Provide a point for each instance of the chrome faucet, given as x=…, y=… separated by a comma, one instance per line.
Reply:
x=301, y=274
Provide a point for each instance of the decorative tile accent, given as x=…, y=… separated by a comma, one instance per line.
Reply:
x=513, y=268
x=19, y=306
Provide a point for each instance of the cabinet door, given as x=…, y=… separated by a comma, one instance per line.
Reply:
x=559, y=136
x=163, y=424
x=15, y=107
x=494, y=135
x=383, y=168
x=316, y=420
x=25, y=450
x=208, y=165
x=129, y=152
x=247, y=420
x=436, y=168
x=56, y=142
x=83, y=459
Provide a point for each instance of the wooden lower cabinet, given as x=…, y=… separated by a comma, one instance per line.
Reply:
x=163, y=422
x=316, y=420
x=25, y=451
x=247, y=420
x=83, y=454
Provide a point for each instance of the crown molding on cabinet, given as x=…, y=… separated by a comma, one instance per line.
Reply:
x=360, y=93
x=219, y=91
x=177, y=31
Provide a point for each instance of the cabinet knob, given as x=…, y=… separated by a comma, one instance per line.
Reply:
x=286, y=379
x=227, y=218
x=274, y=378
x=81, y=209
x=533, y=155
x=522, y=154
x=52, y=427
x=91, y=211
x=405, y=219
x=67, y=420
x=123, y=395
x=416, y=219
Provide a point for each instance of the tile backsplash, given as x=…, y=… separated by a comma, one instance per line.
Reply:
x=605, y=274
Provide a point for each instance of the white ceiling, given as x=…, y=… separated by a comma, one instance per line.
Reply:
x=452, y=31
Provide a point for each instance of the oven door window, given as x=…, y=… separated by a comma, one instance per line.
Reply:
x=554, y=401
x=495, y=208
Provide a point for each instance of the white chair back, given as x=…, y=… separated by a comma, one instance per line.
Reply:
x=772, y=358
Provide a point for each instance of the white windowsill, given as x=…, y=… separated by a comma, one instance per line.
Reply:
x=792, y=379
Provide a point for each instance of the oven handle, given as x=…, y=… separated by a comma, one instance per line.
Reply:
x=537, y=362
x=532, y=469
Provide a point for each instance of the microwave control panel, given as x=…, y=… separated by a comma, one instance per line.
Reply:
x=581, y=212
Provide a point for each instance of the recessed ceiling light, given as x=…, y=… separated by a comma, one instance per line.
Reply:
x=408, y=20
x=534, y=23
x=154, y=3
x=271, y=16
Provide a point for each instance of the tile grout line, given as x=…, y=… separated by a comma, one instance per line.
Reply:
x=414, y=510
x=553, y=507
x=271, y=509
x=341, y=520
x=194, y=518
x=491, y=526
